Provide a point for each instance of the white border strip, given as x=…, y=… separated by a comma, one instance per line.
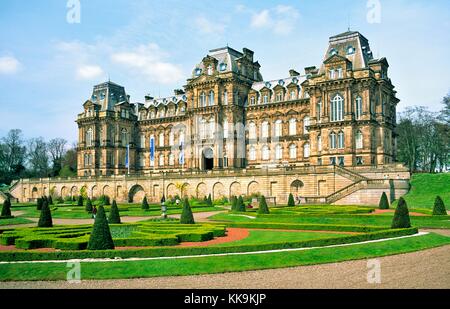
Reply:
x=209, y=255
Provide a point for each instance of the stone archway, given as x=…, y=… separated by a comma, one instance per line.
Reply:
x=136, y=194
x=235, y=189
x=201, y=190
x=64, y=192
x=172, y=190
x=94, y=191
x=74, y=191
x=207, y=159
x=107, y=190
x=253, y=188
x=34, y=193
x=218, y=191
x=296, y=186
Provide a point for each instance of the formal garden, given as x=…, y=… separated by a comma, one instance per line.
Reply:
x=243, y=233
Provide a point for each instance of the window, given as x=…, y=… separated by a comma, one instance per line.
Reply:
x=252, y=154
x=265, y=129
x=292, y=152
x=319, y=143
x=333, y=52
x=198, y=71
x=332, y=74
x=306, y=150
x=293, y=96
x=210, y=70
x=266, y=99
x=171, y=159
x=265, y=153
x=278, y=152
x=341, y=161
x=358, y=108
x=359, y=140
x=202, y=101
x=161, y=139
x=340, y=73
x=101, y=137
x=337, y=108
x=279, y=97
x=359, y=161
x=278, y=128
x=341, y=140
x=292, y=126
x=161, y=160
x=171, y=139
x=225, y=98
x=333, y=141
x=306, y=124
x=124, y=137
x=202, y=128
x=350, y=50
x=141, y=160
x=223, y=66
x=319, y=110
x=89, y=137
x=225, y=128
x=333, y=160
x=252, y=100
x=211, y=98
x=252, y=130
x=142, y=141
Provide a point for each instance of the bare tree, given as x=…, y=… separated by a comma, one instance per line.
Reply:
x=38, y=157
x=57, y=150
x=13, y=152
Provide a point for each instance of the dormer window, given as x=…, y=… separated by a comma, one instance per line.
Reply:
x=102, y=96
x=333, y=52
x=350, y=50
x=198, y=71
x=210, y=70
x=332, y=74
x=252, y=100
x=223, y=67
x=340, y=73
x=279, y=96
x=281, y=82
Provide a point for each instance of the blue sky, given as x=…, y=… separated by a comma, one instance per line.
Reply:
x=48, y=65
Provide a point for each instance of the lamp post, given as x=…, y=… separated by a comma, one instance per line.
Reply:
x=164, y=207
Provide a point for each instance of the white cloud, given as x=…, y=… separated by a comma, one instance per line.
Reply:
x=280, y=19
x=206, y=26
x=261, y=19
x=9, y=65
x=89, y=72
x=148, y=60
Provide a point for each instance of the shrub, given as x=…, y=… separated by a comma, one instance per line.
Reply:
x=50, y=200
x=89, y=205
x=145, y=205
x=6, y=209
x=45, y=220
x=401, y=217
x=80, y=201
x=100, y=238
x=384, y=203
x=186, y=216
x=439, y=207
x=241, y=205
x=104, y=200
x=114, y=216
x=39, y=203
x=45, y=199
x=263, y=208
x=291, y=202
x=68, y=199
x=59, y=200
x=233, y=203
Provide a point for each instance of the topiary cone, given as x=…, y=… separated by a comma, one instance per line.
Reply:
x=114, y=216
x=145, y=205
x=6, y=209
x=263, y=208
x=384, y=203
x=291, y=202
x=89, y=205
x=101, y=238
x=39, y=203
x=401, y=218
x=80, y=200
x=241, y=204
x=209, y=200
x=233, y=203
x=186, y=215
x=439, y=207
x=45, y=220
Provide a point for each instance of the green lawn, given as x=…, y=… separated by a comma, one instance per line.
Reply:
x=219, y=264
x=425, y=187
x=13, y=221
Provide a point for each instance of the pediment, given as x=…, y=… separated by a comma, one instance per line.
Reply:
x=336, y=59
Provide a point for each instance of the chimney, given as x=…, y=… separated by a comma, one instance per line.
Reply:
x=179, y=91
x=293, y=73
x=310, y=70
x=248, y=53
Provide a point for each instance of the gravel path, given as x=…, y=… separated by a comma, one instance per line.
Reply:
x=422, y=269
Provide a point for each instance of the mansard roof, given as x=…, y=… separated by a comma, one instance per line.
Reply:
x=165, y=101
x=284, y=82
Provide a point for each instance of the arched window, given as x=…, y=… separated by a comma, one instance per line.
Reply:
x=292, y=152
x=359, y=140
x=124, y=137
x=202, y=128
x=265, y=129
x=306, y=150
x=225, y=128
x=202, y=99
x=333, y=143
x=161, y=139
x=225, y=98
x=161, y=160
x=358, y=108
x=252, y=154
x=252, y=130
x=171, y=159
x=337, y=108
x=265, y=153
x=171, y=138
x=319, y=142
x=341, y=140
x=278, y=128
x=292, y=126
x=89, y=137
x=211, y=98
x=278, y=152
x=306, y=124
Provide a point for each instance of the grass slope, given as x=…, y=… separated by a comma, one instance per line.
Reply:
x=220, y=264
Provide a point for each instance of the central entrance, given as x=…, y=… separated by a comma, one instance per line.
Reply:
x=208, y=159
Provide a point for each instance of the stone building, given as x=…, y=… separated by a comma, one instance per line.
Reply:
x=315, y=133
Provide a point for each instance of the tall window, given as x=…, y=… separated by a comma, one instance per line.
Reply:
x=337, y=108
x=266, y=99
x=101, y=137
x=265, y=153
x=341, y=140
x=171, y=138
x=319, y=143
x=252, y=130
x=292, y=126
x=340, y=73
x=202, y=101
x=252, y=100
x=210, y=70
x=161, y=160
x=306, y=124
x=306, y=150
x=225, y=128
x=171, y=159
x=252, y=154
x=142, y=141
x=203, y=128
x=89, y=137
x=293, y=96
x=141, y=160
x=211, y=98
x=225, y=98
x=278, y=152
x=161, y=139
x=265, y=129
x=332, y=74
x=358, y=108
x=333, y=141
x=278, y=128
x=359, y=140
x=292, y=152
x=279, y=96
x=319, y=110
x=124, y=137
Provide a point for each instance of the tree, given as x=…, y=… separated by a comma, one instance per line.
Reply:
x=439, y=207
x=12, y=156
x=401, y=218
x=39, y=203
x=6, y=209
x=209, y=200
x=50, y=200
x=234, y=203
x=38, y=157
x=114, y=216
x=101, y=238
x=45, y=219
x=291, y=202
x=57, y=150
x=186, y=215
x=241, y=204
x=145, y=205
x=69, y=163
x=80, y=200
x=384, y=203
x=88, y=205
x=263, y=208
